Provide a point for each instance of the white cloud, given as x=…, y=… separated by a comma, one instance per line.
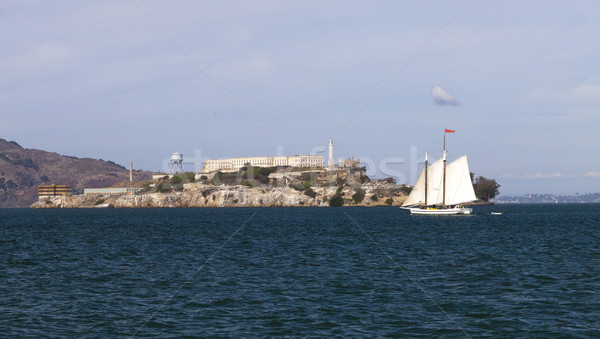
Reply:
x=555, y=175
x=585, y=92
x=442, y=98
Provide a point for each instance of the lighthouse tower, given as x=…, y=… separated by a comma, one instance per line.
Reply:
x=330, y=163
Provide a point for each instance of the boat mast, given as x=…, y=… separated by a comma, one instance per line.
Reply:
x=425, y=178
x=444, y=183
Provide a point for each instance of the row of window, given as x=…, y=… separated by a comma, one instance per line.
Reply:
x=231, y=164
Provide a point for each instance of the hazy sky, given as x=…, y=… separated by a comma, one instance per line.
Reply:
x=519, y=81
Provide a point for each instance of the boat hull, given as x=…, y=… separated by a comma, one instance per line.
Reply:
x=440, y=211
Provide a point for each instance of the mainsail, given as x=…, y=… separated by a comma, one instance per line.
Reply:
x=434, y=185
x=459, y=188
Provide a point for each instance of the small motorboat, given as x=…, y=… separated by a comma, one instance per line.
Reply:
x=497, y=213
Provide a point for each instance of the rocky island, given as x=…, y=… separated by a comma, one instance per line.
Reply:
x=249, y=187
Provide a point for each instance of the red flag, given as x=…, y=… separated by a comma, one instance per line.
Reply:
x=449, y=131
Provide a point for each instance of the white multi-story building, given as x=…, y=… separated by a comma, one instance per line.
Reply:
x=234, y=164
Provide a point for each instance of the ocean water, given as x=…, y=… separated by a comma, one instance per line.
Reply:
x=316, y=272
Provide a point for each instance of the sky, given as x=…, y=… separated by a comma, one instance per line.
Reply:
x=519, y=82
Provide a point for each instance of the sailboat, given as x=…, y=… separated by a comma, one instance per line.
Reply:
x=442, y=189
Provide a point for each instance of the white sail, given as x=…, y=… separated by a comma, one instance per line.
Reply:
x=417, y=194
x=459, y=188
x=434, y=185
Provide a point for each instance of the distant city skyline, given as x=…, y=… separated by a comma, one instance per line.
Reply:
x=138, y=80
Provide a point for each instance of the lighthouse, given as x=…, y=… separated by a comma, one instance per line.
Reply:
x=330, y=163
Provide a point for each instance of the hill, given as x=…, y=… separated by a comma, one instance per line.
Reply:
x=22, y=170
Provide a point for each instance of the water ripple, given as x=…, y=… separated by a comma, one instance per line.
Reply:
x=532, y=272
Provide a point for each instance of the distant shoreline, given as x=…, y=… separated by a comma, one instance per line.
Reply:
x=535, y=198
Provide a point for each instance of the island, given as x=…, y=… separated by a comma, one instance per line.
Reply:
x=250, y=186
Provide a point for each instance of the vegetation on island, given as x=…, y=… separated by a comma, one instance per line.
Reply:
x=336, y=201
x=358, y=196
x=247, y=176
x=485, y=189
x=310, y=192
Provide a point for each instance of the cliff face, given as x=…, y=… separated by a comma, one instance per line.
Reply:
x=199, y=195
x=22, y=170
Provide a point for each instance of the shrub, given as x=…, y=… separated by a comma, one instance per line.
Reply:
x=374, y=197
x=176, y=179
x=299, y=186
x=389, y=201
x=162, y=188
x=406, y=189
x=256, y=174
x=336, y=201
x=358, y=196
x=309, y=192
x=99, y=202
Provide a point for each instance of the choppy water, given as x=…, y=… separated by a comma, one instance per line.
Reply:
x=532, y=272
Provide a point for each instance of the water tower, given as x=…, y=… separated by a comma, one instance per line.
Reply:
x=176, y=163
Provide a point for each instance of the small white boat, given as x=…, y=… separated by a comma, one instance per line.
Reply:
x=442, y=189
x=497, y=213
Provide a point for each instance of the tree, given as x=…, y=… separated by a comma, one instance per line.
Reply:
x=336, y=201
x=485, y=189
x=358, y=196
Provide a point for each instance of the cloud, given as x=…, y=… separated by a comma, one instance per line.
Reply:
x=586, y=92
x=442, y=98
x=554, y=175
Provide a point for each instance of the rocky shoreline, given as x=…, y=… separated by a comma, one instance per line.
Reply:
x=202, y=195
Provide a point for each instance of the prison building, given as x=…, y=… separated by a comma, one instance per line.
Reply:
x=109, y=191
x=54, y=190
x=234, y=164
